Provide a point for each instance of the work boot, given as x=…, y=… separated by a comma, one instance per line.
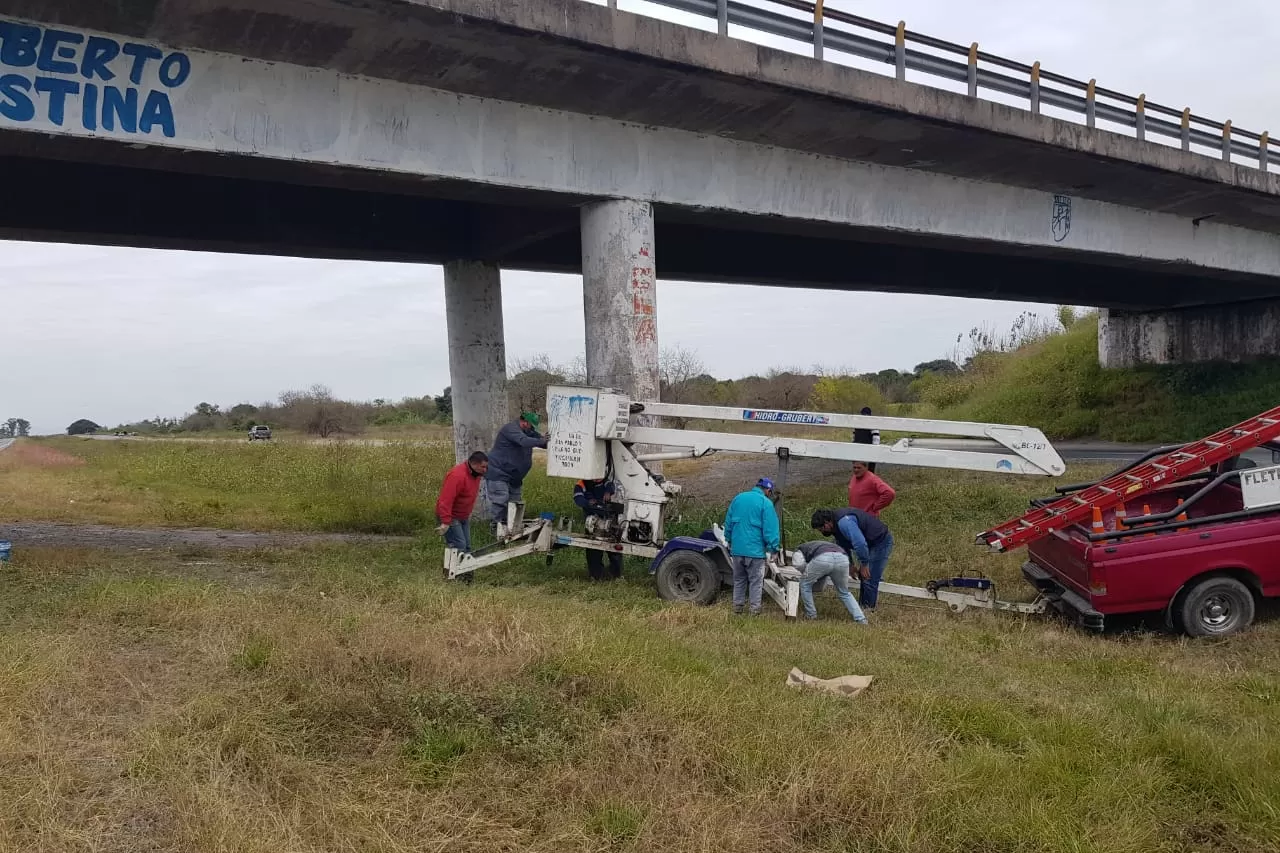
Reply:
x=738, y=608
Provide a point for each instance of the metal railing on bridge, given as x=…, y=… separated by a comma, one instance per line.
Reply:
x=833, y=30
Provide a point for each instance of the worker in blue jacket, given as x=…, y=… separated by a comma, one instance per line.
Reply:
x=751, y=526
x=593, y=498
x=866, y=539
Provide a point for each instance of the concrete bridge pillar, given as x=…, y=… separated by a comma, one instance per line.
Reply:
x=477, y=354
x=620, y=299
x=1235, y=332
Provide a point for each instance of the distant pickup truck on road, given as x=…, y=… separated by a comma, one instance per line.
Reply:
x=1204, y=551
x=259, y=433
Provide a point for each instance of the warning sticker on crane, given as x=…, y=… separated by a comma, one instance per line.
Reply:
x=772, y=417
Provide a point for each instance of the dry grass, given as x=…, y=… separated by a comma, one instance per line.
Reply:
x=27, y=455
x=348, y=699
x=333, y=487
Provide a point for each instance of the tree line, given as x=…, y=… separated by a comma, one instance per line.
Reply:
x=15, y=428
x=683, y=378
x=314, y=411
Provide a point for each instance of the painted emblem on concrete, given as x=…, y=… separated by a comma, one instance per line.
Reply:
x=1060, y=221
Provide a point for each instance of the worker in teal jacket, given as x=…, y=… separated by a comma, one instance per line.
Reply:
x=751, y=526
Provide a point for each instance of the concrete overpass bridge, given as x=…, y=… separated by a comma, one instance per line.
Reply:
x=561, y=135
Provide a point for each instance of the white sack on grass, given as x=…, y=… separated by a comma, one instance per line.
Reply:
x=847, y=686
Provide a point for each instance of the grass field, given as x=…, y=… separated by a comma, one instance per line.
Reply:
x=347, y=698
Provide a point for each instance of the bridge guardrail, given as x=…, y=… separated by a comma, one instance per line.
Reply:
x=830, y=29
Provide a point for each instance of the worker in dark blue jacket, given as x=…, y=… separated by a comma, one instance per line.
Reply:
x=510, y=461
x=867, y=541
x=593, y=497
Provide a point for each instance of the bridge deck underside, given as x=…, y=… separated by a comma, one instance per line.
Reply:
x=91, y=192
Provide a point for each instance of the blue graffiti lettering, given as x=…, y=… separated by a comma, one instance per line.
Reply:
x=89, y=107
x=58, y=44
x=98, y=54
x=41, y=69
x=15, y=103
x=157, y=111
x=141, y=53
x=174, y=70
x=57, y=89
x=18, y=45
x=120, y=107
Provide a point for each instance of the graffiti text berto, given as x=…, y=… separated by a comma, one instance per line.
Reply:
x=95, y=82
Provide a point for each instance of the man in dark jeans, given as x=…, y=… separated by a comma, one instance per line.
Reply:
x=866, y=539
x=593, y=498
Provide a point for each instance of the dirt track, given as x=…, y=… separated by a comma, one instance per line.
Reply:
x=49, y=534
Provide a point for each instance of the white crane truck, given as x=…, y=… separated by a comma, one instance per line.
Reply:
x=599, y=433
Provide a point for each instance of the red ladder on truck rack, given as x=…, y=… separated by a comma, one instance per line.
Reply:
x=1186, y=460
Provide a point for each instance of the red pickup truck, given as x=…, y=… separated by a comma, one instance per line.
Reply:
x=1206, y=570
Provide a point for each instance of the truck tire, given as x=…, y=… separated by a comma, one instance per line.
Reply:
x=1215, y=607
x=688, y=576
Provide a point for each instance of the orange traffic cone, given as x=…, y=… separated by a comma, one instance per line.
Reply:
x=1098, y=526
x=1146, y=510
x=1122, y=515
x=1182, y=516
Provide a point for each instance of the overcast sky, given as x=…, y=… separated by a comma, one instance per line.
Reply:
x=117, y=335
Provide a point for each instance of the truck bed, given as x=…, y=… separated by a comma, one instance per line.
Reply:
x=1089, y=579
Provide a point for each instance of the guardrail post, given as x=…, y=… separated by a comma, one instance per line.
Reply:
x=900, y=50
x=722, y=17
x=1091, y=104
x=1226, y=142
x=1140, y=118
x=973, y=70
x=1035, y=88
x=817, y=29
x=1262, y=151
x=1186, y=129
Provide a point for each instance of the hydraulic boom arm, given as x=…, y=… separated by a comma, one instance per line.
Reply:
x=977, y=447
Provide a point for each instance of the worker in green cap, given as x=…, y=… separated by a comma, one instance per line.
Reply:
x=510, y=461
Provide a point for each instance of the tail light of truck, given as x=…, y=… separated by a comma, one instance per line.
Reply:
x=1097, y=579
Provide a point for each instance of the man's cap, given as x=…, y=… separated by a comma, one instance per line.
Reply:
x=765, y=483
x=531, y=417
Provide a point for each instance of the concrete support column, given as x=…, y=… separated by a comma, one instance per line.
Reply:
x=477, y=354
x=1236, y=332
x=620, y=299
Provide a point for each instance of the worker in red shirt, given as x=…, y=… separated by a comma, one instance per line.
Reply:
x=868, y=492
x=457, y=499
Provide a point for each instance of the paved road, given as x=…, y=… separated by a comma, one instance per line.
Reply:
x=1097, y=451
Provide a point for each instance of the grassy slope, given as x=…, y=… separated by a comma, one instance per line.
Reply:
x=1058, y=386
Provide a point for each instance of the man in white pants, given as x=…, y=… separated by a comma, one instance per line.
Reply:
x=821, y=559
